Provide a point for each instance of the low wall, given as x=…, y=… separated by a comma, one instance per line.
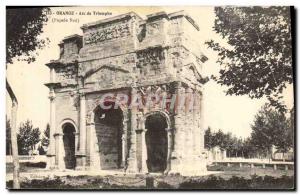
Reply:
x=27, y=158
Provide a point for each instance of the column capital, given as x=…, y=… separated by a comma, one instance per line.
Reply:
x=52, y=98
x=169, y=129
x=90, y=123
x=140, y=130
x=52, y=95
x=177, y=84
x=81, y=94
x=80, y=154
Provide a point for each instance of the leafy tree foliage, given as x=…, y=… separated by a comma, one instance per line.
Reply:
x=208, y=139
x=45, y=139
x=257, y=58
x=23, y=27
x=226, y=141
x=270, y=128
x=28, y=137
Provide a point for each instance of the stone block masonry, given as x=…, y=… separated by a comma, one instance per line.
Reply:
x=128, y=55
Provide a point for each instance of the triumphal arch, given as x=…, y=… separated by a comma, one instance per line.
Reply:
x=127, y=95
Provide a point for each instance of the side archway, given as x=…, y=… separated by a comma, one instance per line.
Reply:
x=68, y=132
x=157, y=141
x=109, y=133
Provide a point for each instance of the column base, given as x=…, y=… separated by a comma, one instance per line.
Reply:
x=80, y=168
x=50, y=162
x=80, y=162
x=192, y=166
x=132, y=166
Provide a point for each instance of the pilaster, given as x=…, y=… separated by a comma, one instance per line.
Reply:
x=81, y=154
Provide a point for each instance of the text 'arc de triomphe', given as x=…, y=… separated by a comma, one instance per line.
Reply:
x=128, y=55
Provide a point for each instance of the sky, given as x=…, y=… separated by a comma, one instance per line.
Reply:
x=229, y=113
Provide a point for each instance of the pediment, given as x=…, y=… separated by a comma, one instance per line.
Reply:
x=107, y=74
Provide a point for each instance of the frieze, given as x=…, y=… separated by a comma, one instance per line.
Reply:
x=151, y=56
x=66, y=74
x=108, y=33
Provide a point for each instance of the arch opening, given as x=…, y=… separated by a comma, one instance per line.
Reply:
x=69, y=145
x=156, y=142
x=109, y=129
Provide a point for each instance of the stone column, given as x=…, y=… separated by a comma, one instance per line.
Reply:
x=170, y=144
x=124, y=138
x=141, y=151
x=92, y=157
x=59, y=147
x=52, y=75
x=81, y=155
x=132, y=162
x=176, y=155
x=51, y=151
x=198, y=136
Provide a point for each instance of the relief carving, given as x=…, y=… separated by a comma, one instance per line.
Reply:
x=108, y=33
x=66, y=75
x=129, y=59
x=178, y=56
x=151, y=56
x=152, y=28
x=141, y=32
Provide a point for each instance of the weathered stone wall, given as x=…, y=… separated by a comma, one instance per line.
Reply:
x=129, y=55
x=66, y=106
x=107, y=145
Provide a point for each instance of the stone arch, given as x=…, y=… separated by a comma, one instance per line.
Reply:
x=158, y=141
x=64, y=121
x=109, y=132
x=68, y=129
x=163, y=114
x=94, y=106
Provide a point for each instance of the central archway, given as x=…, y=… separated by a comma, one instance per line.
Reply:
x=69, y=145
x=157, y=142
x=108, y=125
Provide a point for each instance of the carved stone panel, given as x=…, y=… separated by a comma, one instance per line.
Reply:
x=108, y=32
x=66, y=75
x=107, y=77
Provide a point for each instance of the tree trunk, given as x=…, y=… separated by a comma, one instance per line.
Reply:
x=13, y=134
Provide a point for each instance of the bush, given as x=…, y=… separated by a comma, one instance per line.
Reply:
x=256, y=182
x=211, y=182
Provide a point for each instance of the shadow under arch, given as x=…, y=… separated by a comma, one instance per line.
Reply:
x=109, y=129
x=69, y=131
x=157, y=123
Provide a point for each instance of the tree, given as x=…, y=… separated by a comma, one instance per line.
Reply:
x=284, y=133
x=28, y=137
x=208, y=139
x=249, y=150
x=23, y=27
x=8, y=138
x=45, y=139
x=270, y=128
x=257, y=58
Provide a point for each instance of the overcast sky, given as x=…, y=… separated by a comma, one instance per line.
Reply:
x=229, y=113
